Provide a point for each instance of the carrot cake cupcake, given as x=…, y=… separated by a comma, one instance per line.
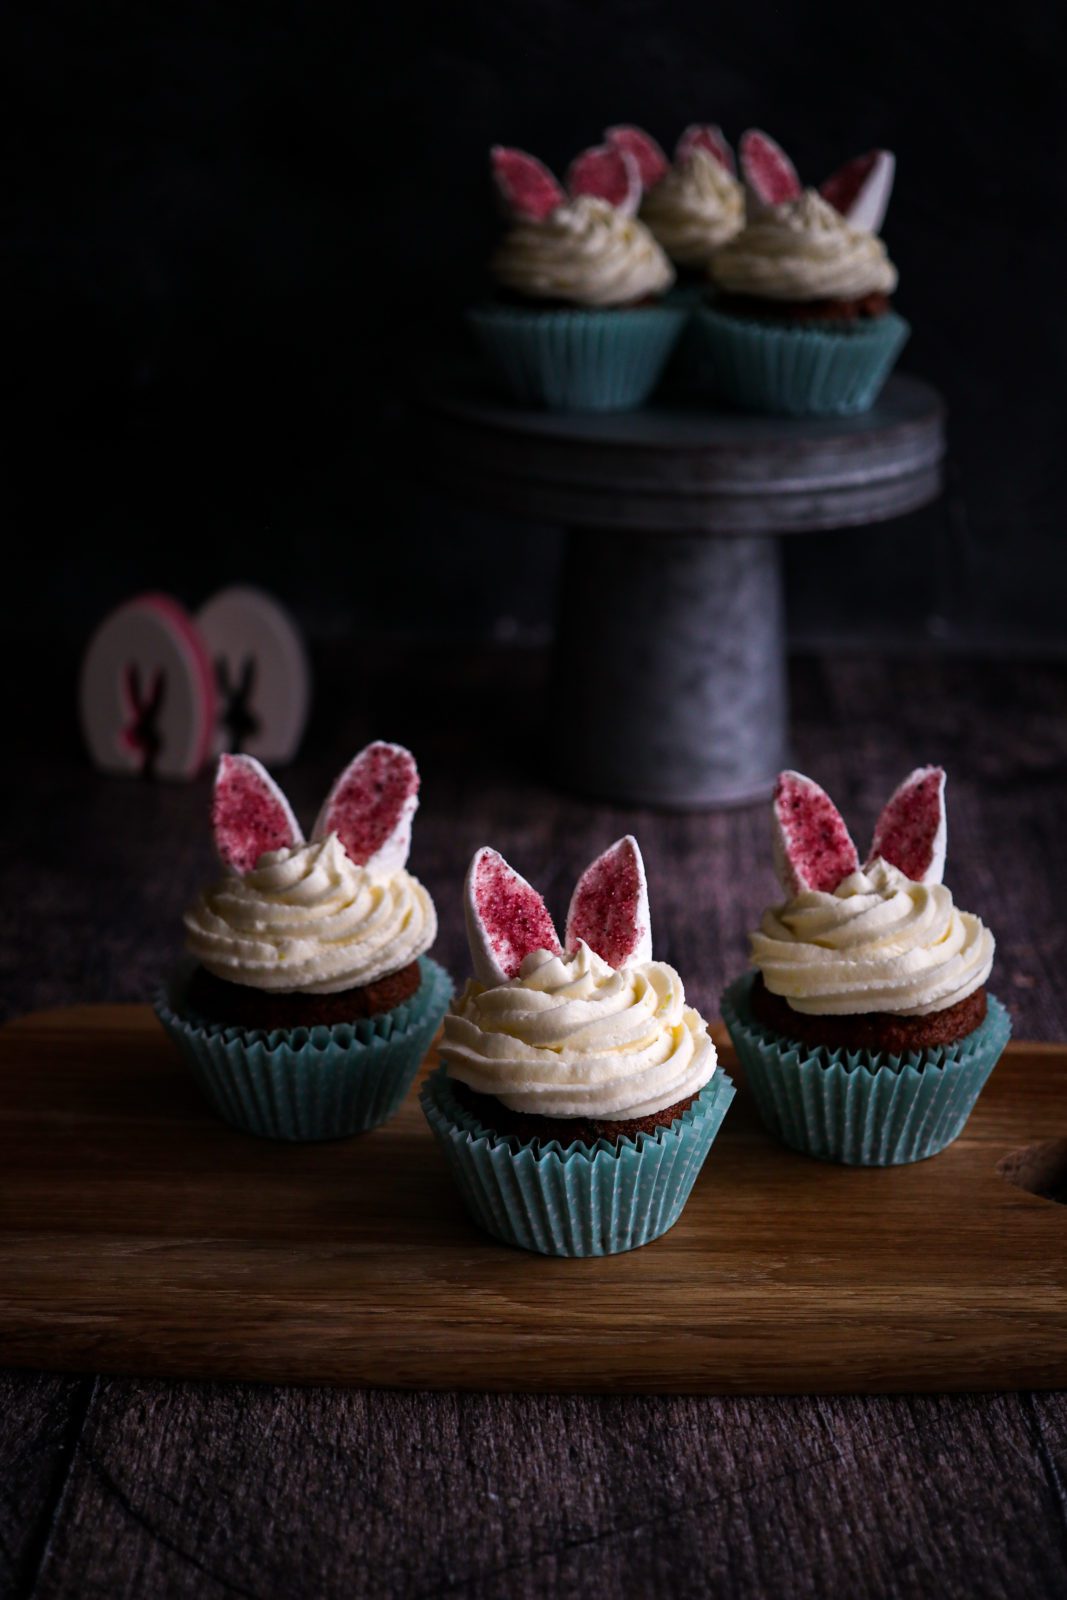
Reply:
x=579, y=321
x=578, y=1094
x=308, y=1000
x=866, y=1031
x=800, y=321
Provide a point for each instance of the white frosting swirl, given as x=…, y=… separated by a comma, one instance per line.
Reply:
x=585, y=252
x=573, y=1037
x=804, y=250
x=879, y=943
x=695, y=209
x=310, y=920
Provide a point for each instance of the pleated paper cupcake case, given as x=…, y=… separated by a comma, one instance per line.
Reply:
x=310, y=1083
x=594, y=360
x=796, y=370
x=859, y=1108
x=584, y=1200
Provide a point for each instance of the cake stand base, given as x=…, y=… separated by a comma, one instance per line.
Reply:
x=669, y=678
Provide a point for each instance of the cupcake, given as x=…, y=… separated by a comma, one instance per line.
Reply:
x=866, y=1031
x=800, y=322
x=693, y=206
x=307, y=1001
x=578, y=1094
x=578, y=323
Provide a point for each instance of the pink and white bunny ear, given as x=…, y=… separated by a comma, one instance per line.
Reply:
x=525, y=185
x=506, y=918
x=249, y=813
x=705, y=136
x=609, y=174
x=652, y=164
x=860, y=189
x=371, y=805
x=770, y=177
x=812, y=847
x=912, y=831
x=609, y=907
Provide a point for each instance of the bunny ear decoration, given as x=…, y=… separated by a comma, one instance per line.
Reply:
x=770, y=177
x=860, y=189
x=506, y=918
x=652, y=164
x=609, y=907
x=249, y=813
x=812, y=847
x=912, y=831
x=524, y=184
x=610, y=174
x=371, y=805
x=705, y=136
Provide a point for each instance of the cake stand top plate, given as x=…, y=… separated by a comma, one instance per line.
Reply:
x=676, y=467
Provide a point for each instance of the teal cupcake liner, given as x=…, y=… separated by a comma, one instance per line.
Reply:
x=863, y=1108
x=796, y=370
x=580, y=360
x=309, y=1083
x=578, y=1200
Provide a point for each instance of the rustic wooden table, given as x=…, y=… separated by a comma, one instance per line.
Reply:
x=131, y=1488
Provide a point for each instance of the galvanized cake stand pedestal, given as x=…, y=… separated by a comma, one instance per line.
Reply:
x=670, y=644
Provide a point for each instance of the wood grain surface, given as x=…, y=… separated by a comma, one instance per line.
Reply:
x=144, y=1236
x=124, y=1487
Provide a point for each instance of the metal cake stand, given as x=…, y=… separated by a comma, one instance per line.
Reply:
x=670, y=644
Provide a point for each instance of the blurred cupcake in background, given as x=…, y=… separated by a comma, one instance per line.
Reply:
x=308, y=1000
x=579, y=322
x=578, y=1094
x=800, y=322
x=694, y=205
x=866, y=1032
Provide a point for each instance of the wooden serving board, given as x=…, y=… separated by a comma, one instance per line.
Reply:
x=138, y=1234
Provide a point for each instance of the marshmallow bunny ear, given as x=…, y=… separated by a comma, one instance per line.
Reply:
x=860, y=189
x=371, y=805
x=812, y=847
x=609, y=907
x=705, y=136
x=249, y=813
x=912, y=831
x=506, y=918
x=652, y=164
x=608, y=173
x=524, y=184
x=770, y=177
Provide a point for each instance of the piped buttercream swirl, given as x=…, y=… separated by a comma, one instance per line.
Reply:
x=695, y=209
x=585, y=252
x=310, y=920
x=879, y=942
x=803, y=250
x=571, y=1036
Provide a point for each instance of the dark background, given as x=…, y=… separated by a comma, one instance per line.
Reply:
x=228, y=237
x=233, y=235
